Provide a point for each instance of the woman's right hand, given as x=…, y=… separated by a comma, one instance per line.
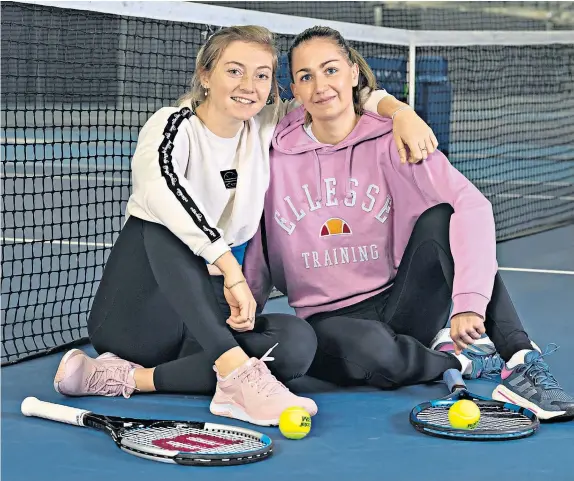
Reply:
x=242, y=304
x=237, y=293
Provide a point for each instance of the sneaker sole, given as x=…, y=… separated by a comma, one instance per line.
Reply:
x=235, y=412
x=61, y=372
x=502, y=393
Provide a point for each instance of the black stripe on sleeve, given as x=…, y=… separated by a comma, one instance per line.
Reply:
x=167, y=172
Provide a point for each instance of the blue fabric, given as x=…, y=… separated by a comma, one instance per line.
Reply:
x=239, y=252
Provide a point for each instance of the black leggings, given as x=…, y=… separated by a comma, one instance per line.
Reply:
x=383, y=341
x=157, y=306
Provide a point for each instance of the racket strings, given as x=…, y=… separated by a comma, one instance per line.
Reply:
x=194, y=440
x=492, y=418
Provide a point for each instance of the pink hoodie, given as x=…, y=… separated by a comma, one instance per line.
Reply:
x=338, y=219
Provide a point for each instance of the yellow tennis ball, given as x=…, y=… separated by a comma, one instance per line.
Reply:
x=464, y=414
x=295, y=423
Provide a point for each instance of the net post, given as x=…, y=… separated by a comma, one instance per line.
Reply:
x=378, y=15
x=411, y=72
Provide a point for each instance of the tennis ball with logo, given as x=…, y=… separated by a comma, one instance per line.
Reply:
x=464, y=414
x=295, y=423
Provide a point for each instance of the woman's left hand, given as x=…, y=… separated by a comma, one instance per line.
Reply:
x=414, y=138
x=465, y=328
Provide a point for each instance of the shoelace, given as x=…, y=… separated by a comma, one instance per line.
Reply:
x=111, y=380
x=260, y=376
x=490, y=366
x=540, y=371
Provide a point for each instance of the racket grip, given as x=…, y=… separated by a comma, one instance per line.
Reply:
x=32, y=406
x=453, y=379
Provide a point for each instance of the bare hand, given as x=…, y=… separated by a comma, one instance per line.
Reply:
x=242, y=305
x=414, y=138
x=466, y=328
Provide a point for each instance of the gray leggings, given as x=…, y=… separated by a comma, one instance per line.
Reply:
x=157, y=306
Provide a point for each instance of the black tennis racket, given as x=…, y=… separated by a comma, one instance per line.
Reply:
x=498, y=421
x=180, y=442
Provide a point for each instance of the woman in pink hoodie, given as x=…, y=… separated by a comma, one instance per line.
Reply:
x=374, y=253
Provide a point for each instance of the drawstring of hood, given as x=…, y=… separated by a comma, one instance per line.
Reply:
x=318, y=176
x=348, y=170
x=319, y=173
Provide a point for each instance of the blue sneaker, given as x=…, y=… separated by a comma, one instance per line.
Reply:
x=532, y=385
x=484, y=366
x=486, y=363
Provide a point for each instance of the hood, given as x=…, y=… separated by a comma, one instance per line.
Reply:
x=290, y=138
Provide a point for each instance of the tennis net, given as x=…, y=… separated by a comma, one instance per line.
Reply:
x=79, y=79
x=425, y=15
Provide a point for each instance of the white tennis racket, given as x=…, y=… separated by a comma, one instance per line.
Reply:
x=183, y=442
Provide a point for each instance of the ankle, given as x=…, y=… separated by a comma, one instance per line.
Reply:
x=143, y=377
x=229, y=361
x=517, y=358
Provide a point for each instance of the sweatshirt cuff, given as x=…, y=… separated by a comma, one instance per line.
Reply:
x=373, y=100
x=214, y=251
x=471, y=302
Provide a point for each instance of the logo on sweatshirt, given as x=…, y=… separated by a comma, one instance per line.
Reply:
x=229, y=178
x=335, y=226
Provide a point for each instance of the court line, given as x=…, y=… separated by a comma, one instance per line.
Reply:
x=521, y=196
x=24, y=141
x=79, y=177
x=26, y=240
x=536, y=271
x=522, y=182
x=40, y=141
x=19, y=240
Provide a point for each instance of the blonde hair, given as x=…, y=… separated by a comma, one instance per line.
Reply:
x=367, y=80
x=210, y=53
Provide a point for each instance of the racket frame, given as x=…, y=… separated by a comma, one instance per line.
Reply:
x=117, y=427
x=458, y=391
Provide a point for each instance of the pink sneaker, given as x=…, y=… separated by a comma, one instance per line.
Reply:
x=80, y=375
x=252, y=394
x=108, y=356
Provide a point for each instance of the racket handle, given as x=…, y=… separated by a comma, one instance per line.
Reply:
x=453, y=379
x=32, y=406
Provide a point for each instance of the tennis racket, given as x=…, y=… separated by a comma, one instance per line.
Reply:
x=180, y=442
x=498, y=420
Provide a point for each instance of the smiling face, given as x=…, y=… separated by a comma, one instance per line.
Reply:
x=240, y=83
x=323, y=79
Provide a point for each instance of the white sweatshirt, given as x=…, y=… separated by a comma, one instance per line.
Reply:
x=207, y=190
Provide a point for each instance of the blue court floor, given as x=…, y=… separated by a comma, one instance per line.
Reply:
x=358, y=433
